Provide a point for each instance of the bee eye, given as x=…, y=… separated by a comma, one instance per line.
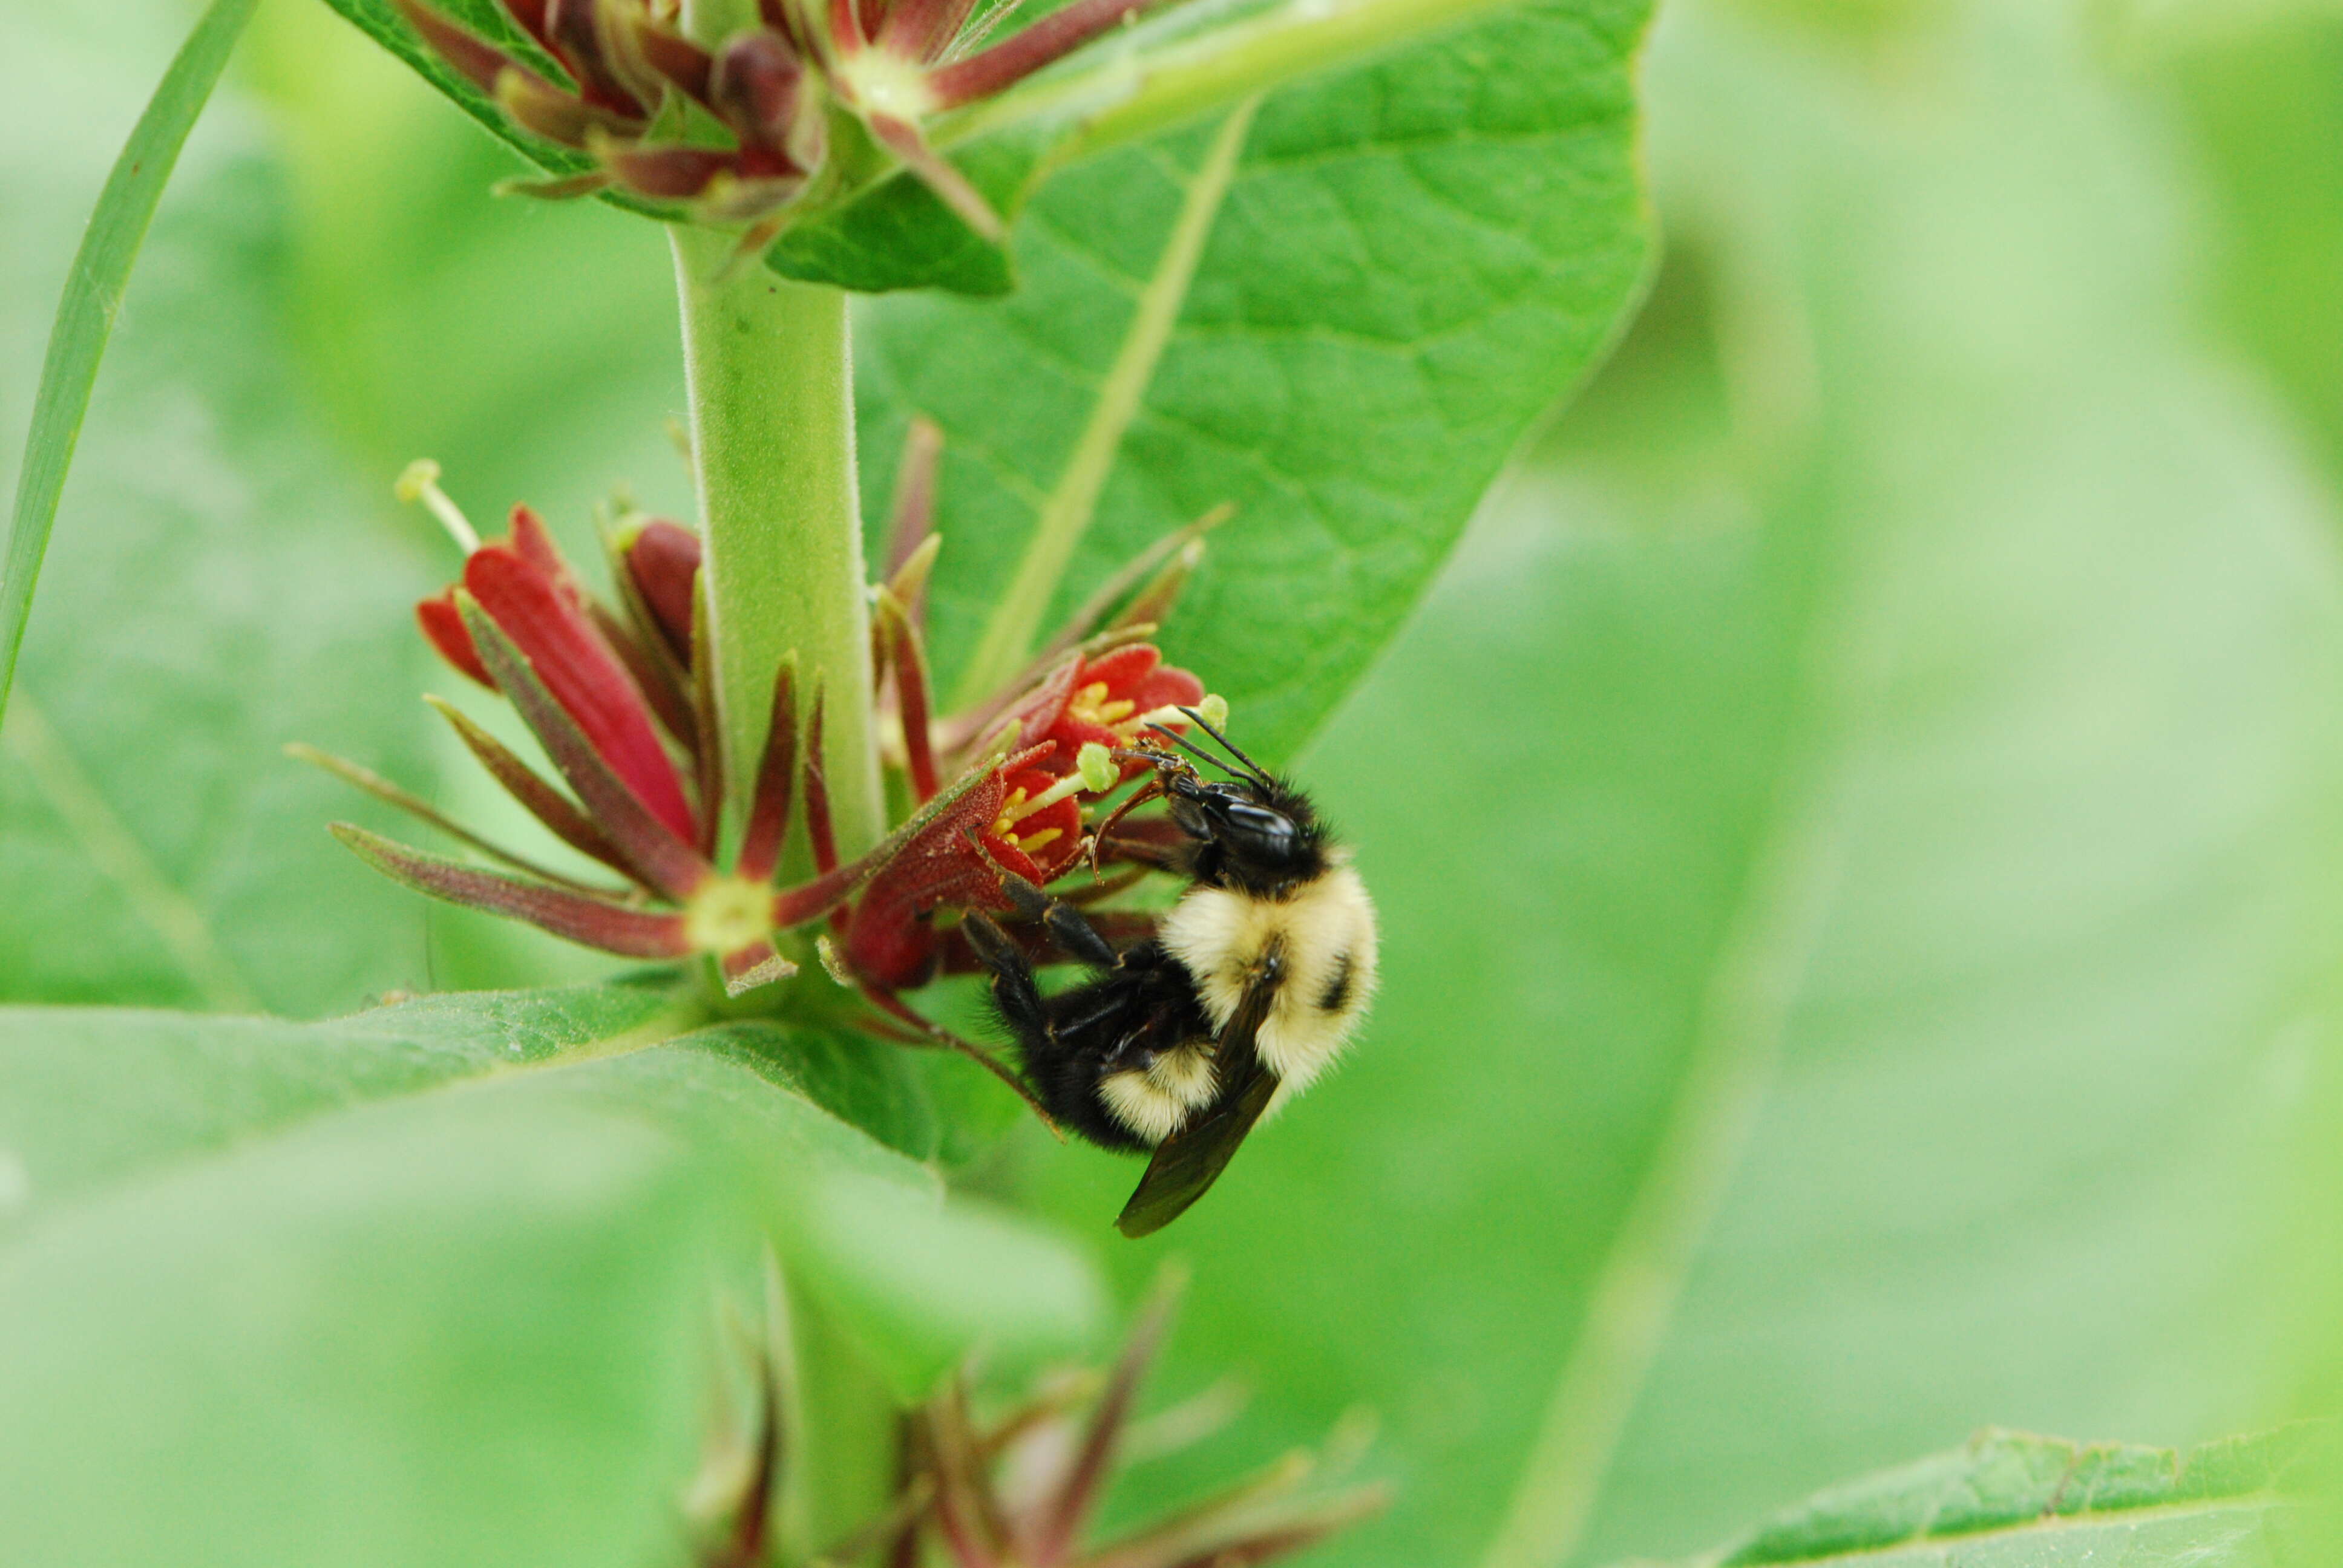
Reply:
x=1265, y=834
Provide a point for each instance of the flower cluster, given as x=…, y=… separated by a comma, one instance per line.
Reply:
x=738, y=132
x=621, y=698
x=1021, y=1487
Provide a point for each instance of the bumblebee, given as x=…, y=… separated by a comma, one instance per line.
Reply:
x=1250, y=987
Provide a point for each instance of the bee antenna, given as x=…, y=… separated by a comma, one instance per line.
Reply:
x=1206, y=758
x=1204, y=724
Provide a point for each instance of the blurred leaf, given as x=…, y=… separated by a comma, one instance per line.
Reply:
x=2150, y=29
x=380, y=21
x=101, y=272
x=2266, y=113
x=213, y=594
x=530, y=347
x=434, y=1282
x=1858, y=845
x=1407, y=265
x=2010, y=1499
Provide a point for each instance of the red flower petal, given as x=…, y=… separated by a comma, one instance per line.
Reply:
x=443, y=626
x=663, y=558
x=1064, y=710
x=582, y=675
x=1039, y=711
x=1041, y=846
x=654, y=852
x=769, y=812
x=1138, y=674
x=530, y=539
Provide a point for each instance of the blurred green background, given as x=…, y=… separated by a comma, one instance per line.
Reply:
x=1858, y=822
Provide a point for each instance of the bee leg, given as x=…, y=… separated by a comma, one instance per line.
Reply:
x=914, y=1028
x=1075, y=935
x=1014, y=988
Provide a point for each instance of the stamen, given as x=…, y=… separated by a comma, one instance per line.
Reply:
x=1090, y=706
x=1032, y=841
x=1017, y=807
x=420, y=482
x=1213, y=709
x=1097, y=766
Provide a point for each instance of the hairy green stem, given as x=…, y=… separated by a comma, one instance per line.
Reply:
x=770, y=372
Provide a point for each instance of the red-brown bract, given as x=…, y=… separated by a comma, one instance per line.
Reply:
x=892, y=64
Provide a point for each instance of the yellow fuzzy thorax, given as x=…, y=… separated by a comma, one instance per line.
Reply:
x=1323, y=933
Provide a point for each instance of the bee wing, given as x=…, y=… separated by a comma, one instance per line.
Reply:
x=1189, y=1161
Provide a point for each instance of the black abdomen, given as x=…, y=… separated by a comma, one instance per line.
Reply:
x=1114, y=1023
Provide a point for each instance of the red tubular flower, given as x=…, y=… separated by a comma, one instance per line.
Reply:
x=1016, y=819
x=624, y=706
x=1024, y=1485
x=522, y=585
x=1109, y=700
x=623, y=68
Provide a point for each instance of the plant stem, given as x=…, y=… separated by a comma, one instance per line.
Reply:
x=842, y=1463
x=770, y=372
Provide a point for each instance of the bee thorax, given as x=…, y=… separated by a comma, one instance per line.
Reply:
x=1320, y=937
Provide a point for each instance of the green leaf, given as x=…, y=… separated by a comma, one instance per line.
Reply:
x=93, y=298
x=218, y=588
x=1399, y=269
x=442, y=1281
x=1855, y=829
x=881, y=229
x=881, y=1089
x=1184, y=63
x=2012, y=1500
x=2263, y=110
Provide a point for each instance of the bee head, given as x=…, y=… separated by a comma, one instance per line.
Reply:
x=1251, y=831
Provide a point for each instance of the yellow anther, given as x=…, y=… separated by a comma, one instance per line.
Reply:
x=1090, y=706
x=1010, y=814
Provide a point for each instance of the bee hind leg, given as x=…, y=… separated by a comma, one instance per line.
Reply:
x=1067, y=925
x=1014, y=988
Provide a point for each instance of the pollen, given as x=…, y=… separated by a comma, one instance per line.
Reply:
x=1091, y=704
x=1012, y=809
